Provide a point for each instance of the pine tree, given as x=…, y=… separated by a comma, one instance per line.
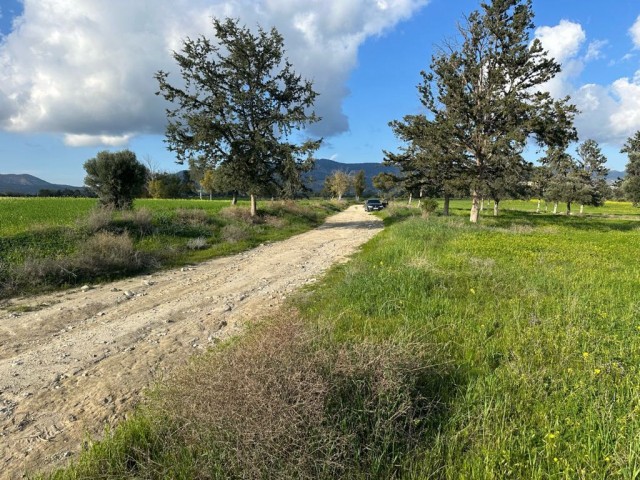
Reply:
x=239, y=105
x=631, y=184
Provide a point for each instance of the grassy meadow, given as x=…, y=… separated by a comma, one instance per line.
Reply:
x=444, y=350
x=56, y=242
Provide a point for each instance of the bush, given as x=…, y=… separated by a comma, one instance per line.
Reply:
x=194, y=217
x=429, y=205
x=199, y=243
x=235, y=233
x=239, y=214
x=107, y=253
x=99, y=218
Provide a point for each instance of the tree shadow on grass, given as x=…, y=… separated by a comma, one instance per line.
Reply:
x=514, y=218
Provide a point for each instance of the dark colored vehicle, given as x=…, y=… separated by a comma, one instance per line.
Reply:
x=373, y=204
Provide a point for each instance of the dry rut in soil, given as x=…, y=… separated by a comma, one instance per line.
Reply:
x=80, y=360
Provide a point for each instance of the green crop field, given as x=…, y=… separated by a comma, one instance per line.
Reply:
x=525, y=333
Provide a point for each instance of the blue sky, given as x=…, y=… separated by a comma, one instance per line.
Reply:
x=76, y=77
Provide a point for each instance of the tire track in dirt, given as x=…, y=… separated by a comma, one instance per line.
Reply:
x=81, y=360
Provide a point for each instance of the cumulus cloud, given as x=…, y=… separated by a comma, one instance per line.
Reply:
x=563, y=42
x=85, y=69
x=608, y=113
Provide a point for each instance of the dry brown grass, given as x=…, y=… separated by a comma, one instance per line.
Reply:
x=277, y=404
x=98, y=219
x=235, y=233
x=192, y=216
x=239, y=214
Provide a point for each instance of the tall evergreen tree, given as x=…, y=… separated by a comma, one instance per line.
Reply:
x=592, y=163
x=488, y=88
x=631, y=184
x=429, y=161
x=238, y=105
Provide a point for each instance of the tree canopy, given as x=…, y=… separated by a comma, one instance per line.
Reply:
x=631, y=183
x=238, y=106
x=484, y=97
x=115, y=177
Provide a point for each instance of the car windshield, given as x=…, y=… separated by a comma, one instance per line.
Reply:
x=373, y=201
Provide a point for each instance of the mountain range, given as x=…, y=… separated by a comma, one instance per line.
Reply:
x=24, y=184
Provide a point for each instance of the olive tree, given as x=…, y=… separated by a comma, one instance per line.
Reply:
x=115, y=177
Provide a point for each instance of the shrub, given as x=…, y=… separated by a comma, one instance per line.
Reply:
x=429, y=205
x=239, y=214
x=99, y=218
x=107, y=253
x=199, y=243
x=141, y=218
x=235, y=233
x=192, y=216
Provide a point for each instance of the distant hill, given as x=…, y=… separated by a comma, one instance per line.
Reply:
x=24, y=184
x=614, y=175
x=324, y=167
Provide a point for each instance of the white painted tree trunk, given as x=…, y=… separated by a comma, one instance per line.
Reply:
x=555, y=207
x=495, y=208
x=581, y=209
x=538, y=207
x=410, y=198
x=475, y=208
x=254, y=209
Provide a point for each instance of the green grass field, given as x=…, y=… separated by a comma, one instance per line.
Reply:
x=525, y=335
x=55, y=242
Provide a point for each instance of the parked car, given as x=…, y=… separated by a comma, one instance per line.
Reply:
x=373, y=204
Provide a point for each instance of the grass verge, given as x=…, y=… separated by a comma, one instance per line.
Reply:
x=104, y=245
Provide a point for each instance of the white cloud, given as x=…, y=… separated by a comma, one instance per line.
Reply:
x=608, y=113
x=634, y=31
x=85, y=69
x=563, y=42
x=82, y=140
x=594, y=50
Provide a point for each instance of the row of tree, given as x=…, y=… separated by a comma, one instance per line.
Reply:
x=485, y=103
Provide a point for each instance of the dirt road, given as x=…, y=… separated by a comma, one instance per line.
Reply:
x=81, y=358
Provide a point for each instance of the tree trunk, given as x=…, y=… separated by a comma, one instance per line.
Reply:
x=445, y=207
x=475, y=207
x=555, y=207
x=538, y=207
x=568, y=208
x=234, y=198
x=253, y=210
x=200, y=192
x=481, y=204
x=410, y=198
x=495, y=207
x=581, y=209
x=210, y=195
